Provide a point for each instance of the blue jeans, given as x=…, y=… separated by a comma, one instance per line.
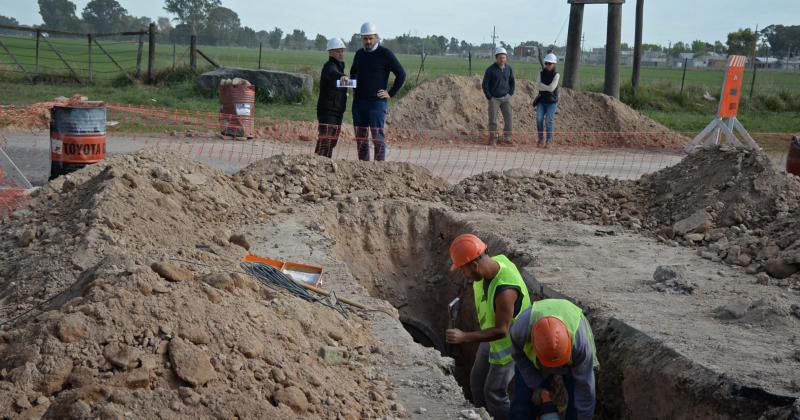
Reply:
x=521, y=405
x=545, y=110
x=369, y=117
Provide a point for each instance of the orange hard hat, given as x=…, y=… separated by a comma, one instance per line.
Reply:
x=551, y=342
x=464, y=249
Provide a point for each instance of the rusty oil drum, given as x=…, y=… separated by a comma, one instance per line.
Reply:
x=77, y=137
x=237, y=110
x=793, y=159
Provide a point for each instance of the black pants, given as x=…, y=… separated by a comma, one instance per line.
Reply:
x=328, y=134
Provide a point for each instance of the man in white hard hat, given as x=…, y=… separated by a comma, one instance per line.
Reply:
x=371, y=67
x=498, y=87
x=332, y=100
x=546, y=102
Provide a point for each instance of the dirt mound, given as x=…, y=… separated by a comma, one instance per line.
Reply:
x=456, y=103
x=553, y=196
x=733, y=203
x=138, y=306
x=313, y=178
x=730, y=203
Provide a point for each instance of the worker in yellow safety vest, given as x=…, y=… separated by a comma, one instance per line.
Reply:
x=500, y=296
x=551, y=338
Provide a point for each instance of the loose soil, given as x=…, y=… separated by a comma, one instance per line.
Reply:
x=121, y=291
x=456, y=104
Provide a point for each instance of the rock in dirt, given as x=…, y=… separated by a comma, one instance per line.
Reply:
x=735, y=308
x=779, y=269
x=241, y=240
x=191, y=363
x=333, y=355
x=672, y=278
x=220, y=280
x=72, y=328
x=172, y=272
x=122, y=356
x=293, y=397
x=26, y=237
x=698, y=222
x=796, y=310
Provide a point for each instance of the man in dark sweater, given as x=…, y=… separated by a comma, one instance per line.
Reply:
x=332, y=100
x=498, y=87
x=371, y=67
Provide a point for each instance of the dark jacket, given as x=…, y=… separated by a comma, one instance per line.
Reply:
x=332, y=100
x=498, y=83
x=371, y=70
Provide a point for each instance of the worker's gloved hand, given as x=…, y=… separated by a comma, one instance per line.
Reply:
x=539, y=396
x=455, y=336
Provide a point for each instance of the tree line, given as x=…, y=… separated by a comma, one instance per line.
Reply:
x=217, y=25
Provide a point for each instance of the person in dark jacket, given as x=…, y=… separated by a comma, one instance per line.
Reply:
x=332, y=100
x=498, y=88
x=547, y=101
x=371, y=67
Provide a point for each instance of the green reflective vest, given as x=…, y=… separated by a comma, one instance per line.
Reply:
x=499, y=350
x=570, y=314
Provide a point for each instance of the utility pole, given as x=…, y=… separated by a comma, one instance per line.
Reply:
x=637, y=47
x=494, y=37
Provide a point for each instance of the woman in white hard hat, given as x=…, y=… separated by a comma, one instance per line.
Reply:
x=547, y=101
x=332, y=99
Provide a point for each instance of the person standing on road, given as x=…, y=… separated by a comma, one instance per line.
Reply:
x=371, y=67
x=547, y=100
x=553, y=337
x=332, y=100
x=500, y=296
x=498, y=88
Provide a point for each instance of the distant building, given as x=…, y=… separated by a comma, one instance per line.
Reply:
x=792, y=63
x=768, y=62
x=523, y=51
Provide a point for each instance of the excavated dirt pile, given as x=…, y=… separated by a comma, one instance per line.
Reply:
x=731, y=204
x=456, y=103
x=734, y=205
x=553, y=196
x=124, y=297
x=314, y=179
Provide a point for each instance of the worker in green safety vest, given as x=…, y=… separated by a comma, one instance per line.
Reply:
x=550, y=338
x=500, y=297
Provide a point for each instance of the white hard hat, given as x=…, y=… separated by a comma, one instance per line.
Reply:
x=335, y=44
x=550, y=58
x=500, y=50
x=369, y=29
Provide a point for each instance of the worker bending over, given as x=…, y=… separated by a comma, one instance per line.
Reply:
x=500, y=297
x=550, y=338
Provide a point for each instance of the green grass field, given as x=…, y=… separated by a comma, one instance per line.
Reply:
x=774, y=109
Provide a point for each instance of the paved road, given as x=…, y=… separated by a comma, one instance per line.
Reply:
x=30, y=151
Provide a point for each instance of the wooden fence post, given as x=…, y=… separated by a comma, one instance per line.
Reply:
x=89, y=37
x=259, y=55
x=683, y=80
x=139, y=56
x=38, y=37
x=151, y=53
x=193, y=53
x=173, y=56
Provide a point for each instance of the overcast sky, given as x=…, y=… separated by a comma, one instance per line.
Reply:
x=516, y=20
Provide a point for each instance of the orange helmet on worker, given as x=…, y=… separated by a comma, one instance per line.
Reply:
x=500, y=296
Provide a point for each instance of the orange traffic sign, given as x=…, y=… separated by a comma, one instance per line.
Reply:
x=732, y=88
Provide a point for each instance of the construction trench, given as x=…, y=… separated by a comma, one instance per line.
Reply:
x=663, y=353
x=398, y=253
